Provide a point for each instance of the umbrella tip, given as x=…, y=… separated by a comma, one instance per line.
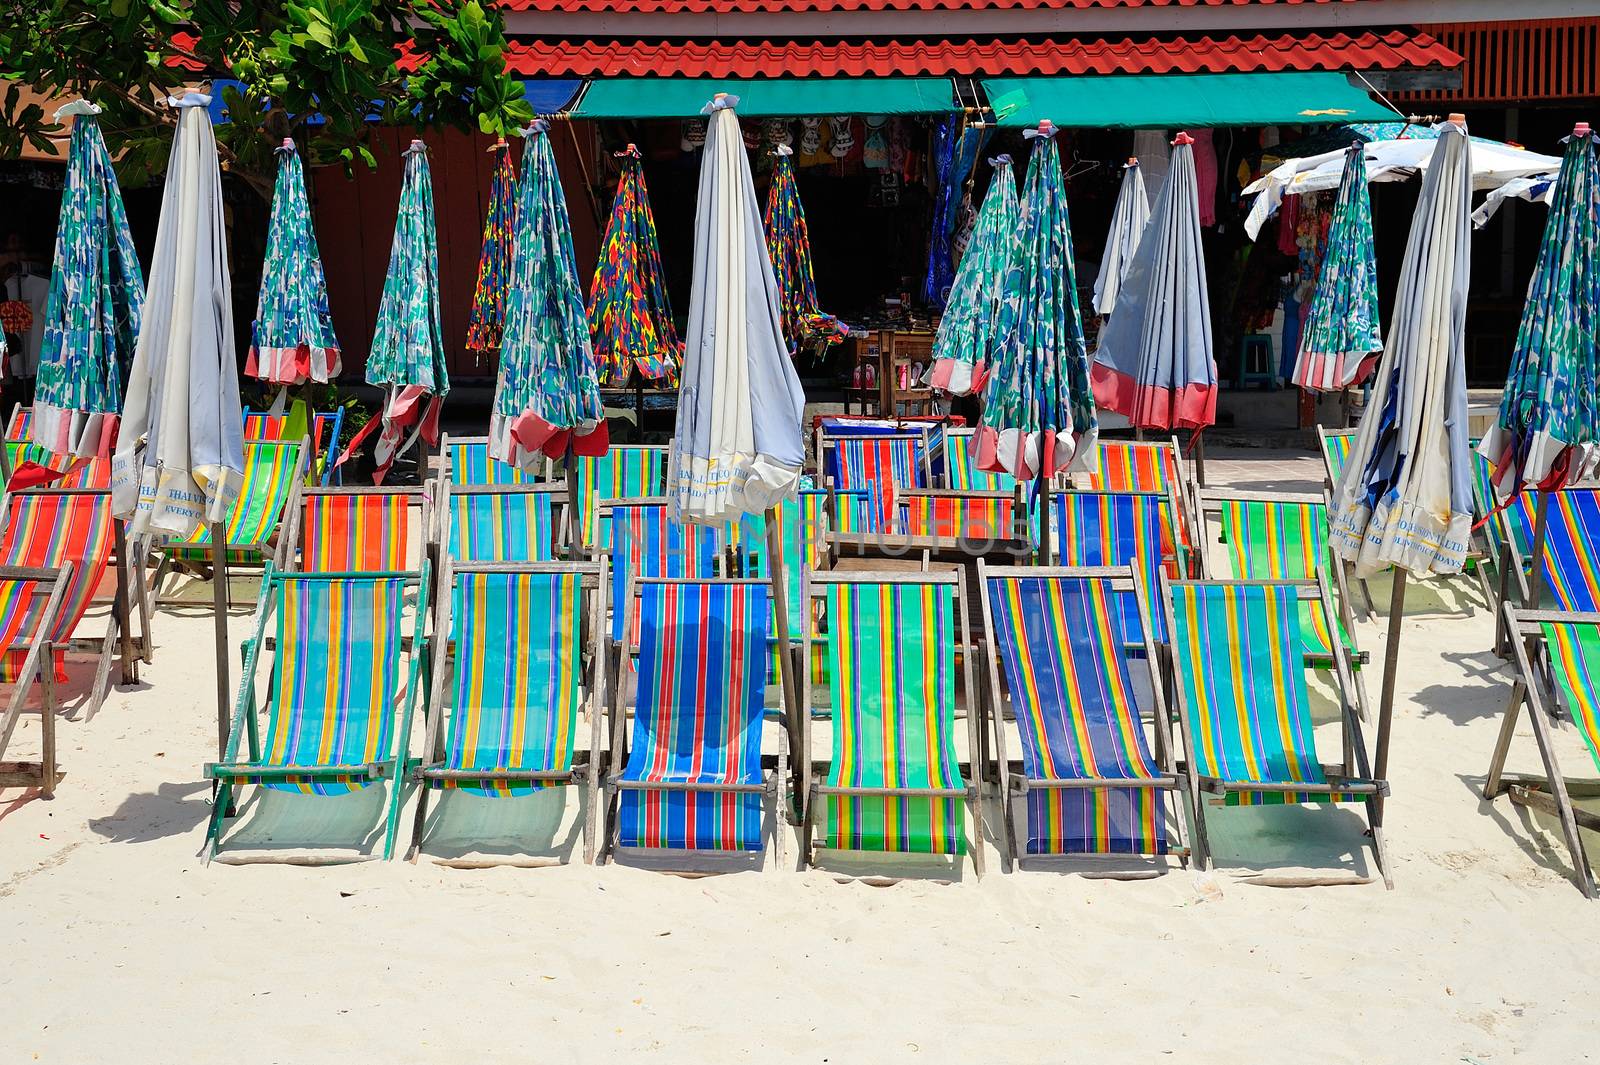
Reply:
x=1183, y=138
x=1045, y=125
x=1133, y=160
x=1580, y=129
x=1458, y=118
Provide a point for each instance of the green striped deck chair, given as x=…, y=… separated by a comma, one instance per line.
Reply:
x=893, y=782
x=271, y=470
x=325, y=429
x=622, y=473
x=961, y=472
x=518, y=636
x=502, y=522
x=1557, y=658
x=339, y=695
x=1335, y=445
x=30, y=602
x=1237, y=656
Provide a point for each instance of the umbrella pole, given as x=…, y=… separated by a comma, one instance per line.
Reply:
x=1541, y=530
x=219, y=605
x=1391, y=658
x=574, y=544
x=788, y=671
x=1043, y=479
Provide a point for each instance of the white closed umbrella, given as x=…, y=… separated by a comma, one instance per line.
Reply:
x=1128, y=220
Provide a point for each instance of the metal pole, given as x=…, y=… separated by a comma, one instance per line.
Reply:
x=1044, y=515
x=1541, y=528
x=789, y=663
x=574, y=533
x=219, y=605
x=1391, y=658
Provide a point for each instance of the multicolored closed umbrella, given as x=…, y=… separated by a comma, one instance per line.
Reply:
x=1038, y=413
x=968, y=331
x=629, y=316
x=1341, y=336
x=789, y=247
x=1548, y=432
x=292, y=339
x=1154, y=364
x=95, y=305
x=486, y=323
x=1128, y=220
x=548, y=398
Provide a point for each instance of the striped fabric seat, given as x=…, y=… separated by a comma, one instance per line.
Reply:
x=894, y=721
x=802, y=524
x=333, y=687
x=1572, y=549
x=501, y=527
x=1237, y=657
x=1336, y=452
x=646, y=543
x=1132, y=466
x=962, y=473
x=517, y=671
x=622, y=473
x=47, y=529
x=974, y=518
x=1120, y=529
x=269, y=473
x=1060, y=641
x=470, y=464
x=22, y=605
x=326, y=427
x=1273, y=540
x=1575, y=664
x=354, y=533
x=880, y=467
x=1511, y=524
x=697, y=717
x=76, y=473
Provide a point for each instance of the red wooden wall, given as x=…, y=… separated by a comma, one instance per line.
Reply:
x=1547, y=60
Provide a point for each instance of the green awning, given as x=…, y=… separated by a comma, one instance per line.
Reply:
x=766, y=97
x=1179, y=101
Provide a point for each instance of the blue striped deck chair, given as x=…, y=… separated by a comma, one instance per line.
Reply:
x=633, y=471
x=693, y=778
x=339, y=696
x=645, y=542
x=1237, y=656
x=516, y=663
x=894, y=782
x=1144, y=466
x=1569, y=575
x=467, y=462
x=1506, y=529
x=881, y=466
x=1557, y=658
x=31, y=600
x=502, y=523
x=326, y=428
x=1120, y=529
x=1068, y=678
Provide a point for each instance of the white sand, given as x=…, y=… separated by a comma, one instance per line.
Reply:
x=118, y=946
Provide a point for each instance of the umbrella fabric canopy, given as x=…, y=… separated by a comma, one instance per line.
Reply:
x=180, y=452
x=789, y=246
x=407, y=358
x=1154, y=361
x=486, y=322
x=738, y=447
x=1405, y=497
x=96, y=299
x=292, y=338
x=547, y=396
x=1128, y=219
x=1341, y=337
x=1548, y=431
x=1038, y=413
x=629, y=315
x=967, y=332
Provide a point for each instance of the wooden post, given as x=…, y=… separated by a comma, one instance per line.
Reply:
x=1044, y=515
x=1541, y=529
x=788, y=675
x=574, y=534
x=219, y=606
x=1391, y=658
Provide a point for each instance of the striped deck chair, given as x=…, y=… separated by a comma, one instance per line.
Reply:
x=693, y=778
x=961, y=472
x=354, y=530
x=974, y=517
x=1503, y=528
x=1568, y=573
x=802, y=537
x=622, y=473
x=467, y=462
x=52, y=528
x=1335, y=445
x=502, y=522
x=1557, y=659
x=1057, y=633
x=894, y=782
x=272, y=470
x=1120, y=529
x=338, y=719
x=516, y=653
x=326, y=428
x=1144, y=466
x=20, y=448
x=30, y=602
x=1237, y=656
x=881, y=466
x=645, y=542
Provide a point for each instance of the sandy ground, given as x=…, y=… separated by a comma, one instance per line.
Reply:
x=120, y=946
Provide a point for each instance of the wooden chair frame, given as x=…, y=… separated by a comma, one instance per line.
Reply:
x=38, y=665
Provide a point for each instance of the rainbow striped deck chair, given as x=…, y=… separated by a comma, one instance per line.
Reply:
x=645, y=542
x=882, y=466
x=1570, y=577
x=502, y=522
x=961, y=473
x=354, y=530
x=518, y=634
x=1143, y=466
x=1557, y=658
x=693, y=778
x=1510, y=526
x=1335, y=445
x=20, y=448
x=972, y=517
x=339, y=695
x=625, y=472
x=1121, y=529
x=893, y=782
x=326, y=428
x=1238, y=659
x=272, y=470
x=467, y=462
x=1058, y=639
x=30, y=601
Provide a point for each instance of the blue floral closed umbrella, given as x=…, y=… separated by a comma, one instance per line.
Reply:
x=1341, y=338
x=967, y=334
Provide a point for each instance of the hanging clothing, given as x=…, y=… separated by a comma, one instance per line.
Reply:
x=34, y=290
x=1153, y=149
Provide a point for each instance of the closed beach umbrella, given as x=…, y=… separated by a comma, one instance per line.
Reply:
x=1341, y=338
x=96, y=299
x=292, y=338
x=967, y=333
x=738, y=447
x=1154, y=363
x=789, y=246
x=486, y=322
x=629, y=316
x=1548, y=431
x=1128, y=219
x=1038, y=413
x=548, y=397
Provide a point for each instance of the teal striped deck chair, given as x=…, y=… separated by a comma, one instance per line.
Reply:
x=1237, y=656
x=894, y=782
x=467, y=462
x=326, y=428
x=518, y=637
x=340, y=694
x=502, y=523
x=1557, y=658
x=625, y=472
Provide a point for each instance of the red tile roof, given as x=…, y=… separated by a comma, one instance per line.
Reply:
x=758, y=6
x=750, y=59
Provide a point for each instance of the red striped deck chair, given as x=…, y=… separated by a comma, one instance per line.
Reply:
x=518, y=637
x=1557, y=659
x=882, y=466
x=1120, y=529
x=625, y=472
x=467, y=462
x=977, y=521
x=693, y=777
x=894, y=782
x=645, y=542
x=1239, y=667
x=272, y=469
x=74, y=473
x=502, y=522
x=339, y=696
x=326, y=427
x=1091, y=781
x=355, y=530
x=30, y=600
x=50, y=528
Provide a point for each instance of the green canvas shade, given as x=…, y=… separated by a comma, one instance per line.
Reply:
x=1174, y=101
x=766, y=97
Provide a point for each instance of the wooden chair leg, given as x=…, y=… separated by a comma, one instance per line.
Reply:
x=1502, y=743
